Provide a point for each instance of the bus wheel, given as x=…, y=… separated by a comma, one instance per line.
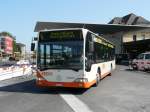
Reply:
x=111, y=67
x=98, y=77
x=97, y=82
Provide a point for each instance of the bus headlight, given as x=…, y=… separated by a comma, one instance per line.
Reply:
x=81, y=80
x=40, y=79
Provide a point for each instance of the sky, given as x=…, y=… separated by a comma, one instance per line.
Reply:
x=19, y=17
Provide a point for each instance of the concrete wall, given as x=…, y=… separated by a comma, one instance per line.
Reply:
x=121, y=37
x=140, y=35
x=116, y=39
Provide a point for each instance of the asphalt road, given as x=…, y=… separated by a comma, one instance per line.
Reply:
x=124, y=91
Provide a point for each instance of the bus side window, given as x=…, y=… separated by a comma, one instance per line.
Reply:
x=99, y=54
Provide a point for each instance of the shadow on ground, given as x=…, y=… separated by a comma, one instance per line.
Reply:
x=128, y=69
x=30, y=87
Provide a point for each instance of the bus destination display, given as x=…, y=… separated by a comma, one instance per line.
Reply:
x=60, y=35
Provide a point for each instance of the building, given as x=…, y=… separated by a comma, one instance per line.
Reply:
x=9, y=47
x=136, y=41
x=20, y=51
x=6, y=45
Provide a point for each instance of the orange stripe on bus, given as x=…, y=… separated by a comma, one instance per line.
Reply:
x=45, y=83
x=105, y=74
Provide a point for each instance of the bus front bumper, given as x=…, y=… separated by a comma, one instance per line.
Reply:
x=44, y=83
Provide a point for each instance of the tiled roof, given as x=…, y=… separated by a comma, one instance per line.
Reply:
x=130, y=19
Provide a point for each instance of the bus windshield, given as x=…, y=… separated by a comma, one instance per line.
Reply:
x=60, y=54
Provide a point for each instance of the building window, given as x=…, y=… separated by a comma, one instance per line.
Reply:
x=134, y=38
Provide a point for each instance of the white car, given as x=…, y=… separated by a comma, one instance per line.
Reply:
x=142, y=62
x=26, y=62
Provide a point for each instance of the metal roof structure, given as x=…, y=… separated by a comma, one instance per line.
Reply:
x=138, y=46
x=97, y=28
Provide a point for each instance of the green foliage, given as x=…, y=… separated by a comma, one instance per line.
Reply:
x=4, y=33
x=14, y=46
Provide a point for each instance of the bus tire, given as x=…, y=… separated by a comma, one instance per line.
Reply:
x=111, y=67
x=97, y=81
x=98, y=77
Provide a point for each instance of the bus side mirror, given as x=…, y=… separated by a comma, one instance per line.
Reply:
x=32, y=46
x=35, y=39
x=91, y=47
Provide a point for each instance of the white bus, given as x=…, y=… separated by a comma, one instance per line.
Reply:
x=73, y=57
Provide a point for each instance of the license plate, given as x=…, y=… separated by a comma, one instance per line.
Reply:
x=47, y=73
x=59, y=85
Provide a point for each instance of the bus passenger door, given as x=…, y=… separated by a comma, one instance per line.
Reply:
x=89, y=53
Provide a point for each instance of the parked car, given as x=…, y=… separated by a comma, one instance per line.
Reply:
x=23, y=62
x=142, y=62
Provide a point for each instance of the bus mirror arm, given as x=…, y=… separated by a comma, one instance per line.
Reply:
x=32, y=46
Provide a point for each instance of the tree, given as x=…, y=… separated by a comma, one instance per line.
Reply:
x=5, y=33
x=14, y=46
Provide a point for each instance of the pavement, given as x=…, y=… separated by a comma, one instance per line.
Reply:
x=15, y=71
x=124, y=91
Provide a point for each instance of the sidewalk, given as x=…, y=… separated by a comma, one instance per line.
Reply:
x=14, y=71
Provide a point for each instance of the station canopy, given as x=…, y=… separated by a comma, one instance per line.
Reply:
x=96, y=28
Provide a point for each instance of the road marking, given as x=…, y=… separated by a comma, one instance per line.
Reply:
x=76, y=104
